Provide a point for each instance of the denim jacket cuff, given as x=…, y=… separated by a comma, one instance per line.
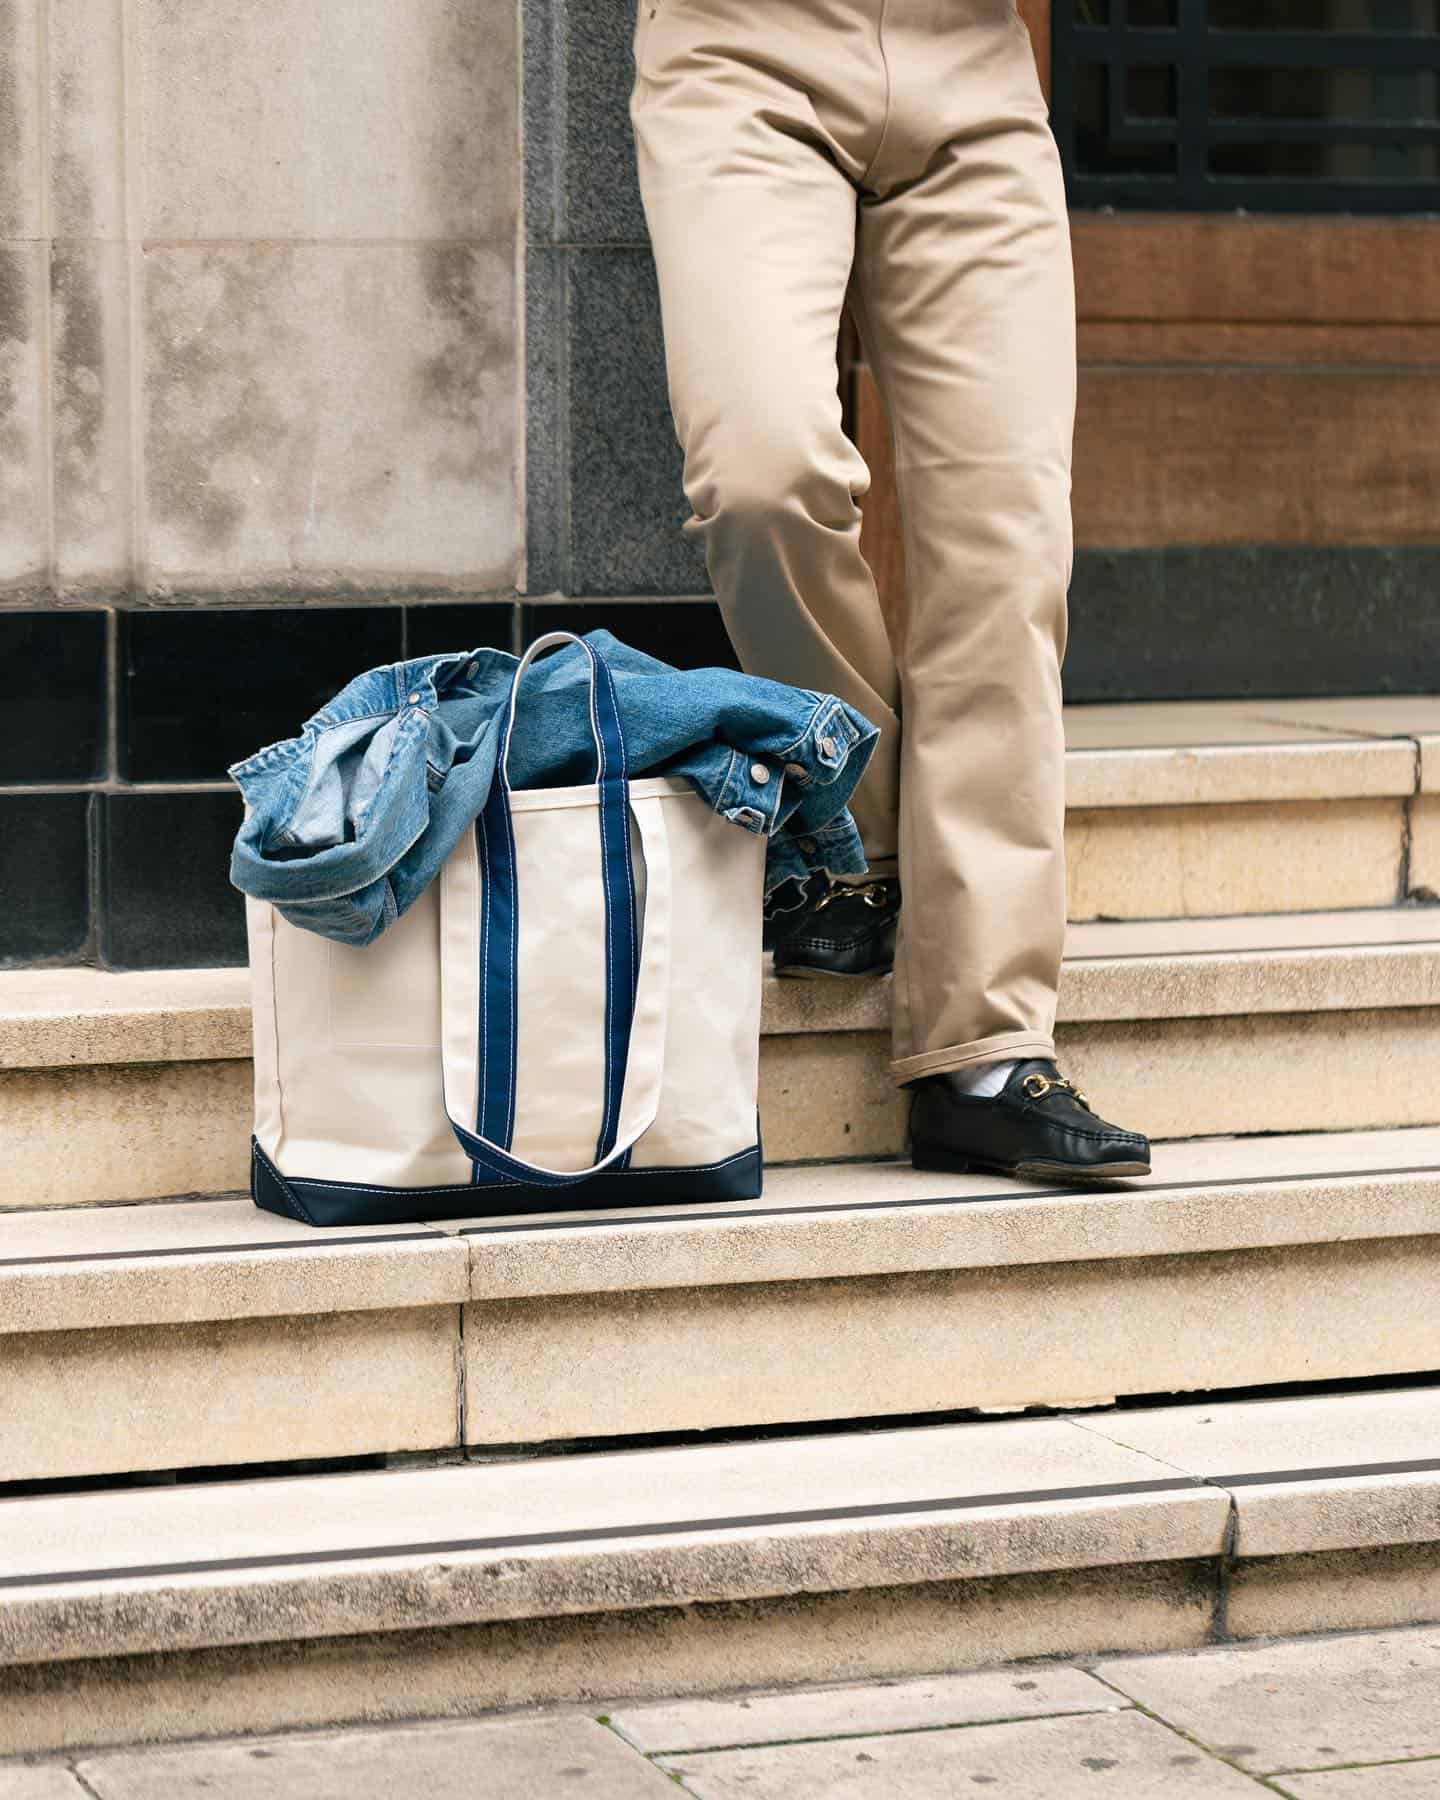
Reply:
x=750, y=793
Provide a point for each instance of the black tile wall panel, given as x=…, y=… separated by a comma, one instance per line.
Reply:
x=44, y=877
x=55, y=704
x=1268, y=622
x=166, y=880
x=688, y=633
x=469, y=625
x=201, y=689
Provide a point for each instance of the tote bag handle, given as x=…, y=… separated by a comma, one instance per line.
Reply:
x=636, y=985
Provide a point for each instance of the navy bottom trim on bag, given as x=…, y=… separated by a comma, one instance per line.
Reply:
x=738, y=1177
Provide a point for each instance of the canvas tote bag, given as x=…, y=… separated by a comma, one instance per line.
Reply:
x=568, y=1017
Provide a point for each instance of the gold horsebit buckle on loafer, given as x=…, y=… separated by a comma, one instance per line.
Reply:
x=871, y=892
x=1037, y=1086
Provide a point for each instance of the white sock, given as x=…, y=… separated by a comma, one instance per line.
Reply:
x=984, y=1080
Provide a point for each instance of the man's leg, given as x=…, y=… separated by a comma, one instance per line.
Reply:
x=965, y=304
x=747, y=184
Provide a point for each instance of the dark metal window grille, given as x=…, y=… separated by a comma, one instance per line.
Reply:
x=1260, y=105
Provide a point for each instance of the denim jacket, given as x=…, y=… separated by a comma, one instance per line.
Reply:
x=347, y=823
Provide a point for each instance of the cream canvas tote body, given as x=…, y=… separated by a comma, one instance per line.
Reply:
x=567, y=1018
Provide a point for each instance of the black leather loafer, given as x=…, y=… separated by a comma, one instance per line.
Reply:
x=848, y=932
x=1039, y=1126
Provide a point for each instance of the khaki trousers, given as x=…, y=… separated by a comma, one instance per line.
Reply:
x=793, y=153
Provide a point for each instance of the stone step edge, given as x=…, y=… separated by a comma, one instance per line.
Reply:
x=212, y=1260
x=1163, y=1512
x=91, y=1018
x=1127, y=777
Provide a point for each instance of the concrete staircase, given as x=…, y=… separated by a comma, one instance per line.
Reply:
x=1253, y=977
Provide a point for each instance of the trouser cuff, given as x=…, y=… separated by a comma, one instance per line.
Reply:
x=878, y=868
x=1012, y=1046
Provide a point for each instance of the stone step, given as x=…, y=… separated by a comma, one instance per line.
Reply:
x=190, y=1334
x=1251, y=806
x=132, y=1086
x=152, y=1613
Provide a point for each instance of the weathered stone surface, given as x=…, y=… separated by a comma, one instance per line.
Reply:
x=1337, y=1590
x=127, y=1132
x=1136, y=1757
x=91, y=414
x=327, y=416
x=1184, y=861
x=447, y=1762
x=1221, y=752
x=1170, y=1077
x=1389, y=1781
x=705, y=1724
x=689, y=1649
x=82, y=1268
x=24, y=499
x=1174, y=968
x=1290, y=1706
x=322, y=1556
x=87, y=128
x=53, y=1017
x=286, y=121
x=1302, y=1465
x=1425, y=840
x=41, y=1782
x=693, y=1359
x=834, y=1221
x=830, y=1095
x=21, y=207
x=245, y=1391
x=1290, y=962
x=1265, y=1072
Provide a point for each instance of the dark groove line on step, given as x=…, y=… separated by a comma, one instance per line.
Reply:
x=745, y=1521
x=316, y=1243
x=1427, y=944
x=1093, y=1190
x=1428, y=1465
x=599, y=1533
x=729, y=1214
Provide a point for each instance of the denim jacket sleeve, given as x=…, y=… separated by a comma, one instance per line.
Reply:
x=796, y=793
x=346, y=824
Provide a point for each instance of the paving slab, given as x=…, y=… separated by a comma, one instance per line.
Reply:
x=39, y=1781
x=502, y=1758
x=1383, y=1781
x=1122, y=1756
x=1270, y=1707
x=882, y=1706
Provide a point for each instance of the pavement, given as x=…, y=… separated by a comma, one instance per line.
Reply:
x=1345, y=1717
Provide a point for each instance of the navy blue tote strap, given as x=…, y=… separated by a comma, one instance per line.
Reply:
x=488, y=1140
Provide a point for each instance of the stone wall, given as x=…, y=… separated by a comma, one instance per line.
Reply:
x=260, y=299
x=269, y=410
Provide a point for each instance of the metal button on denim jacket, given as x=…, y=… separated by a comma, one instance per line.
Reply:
x=346, y=824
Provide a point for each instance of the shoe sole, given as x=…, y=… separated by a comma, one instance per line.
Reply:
x=938, y=1162
x=799, y=972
